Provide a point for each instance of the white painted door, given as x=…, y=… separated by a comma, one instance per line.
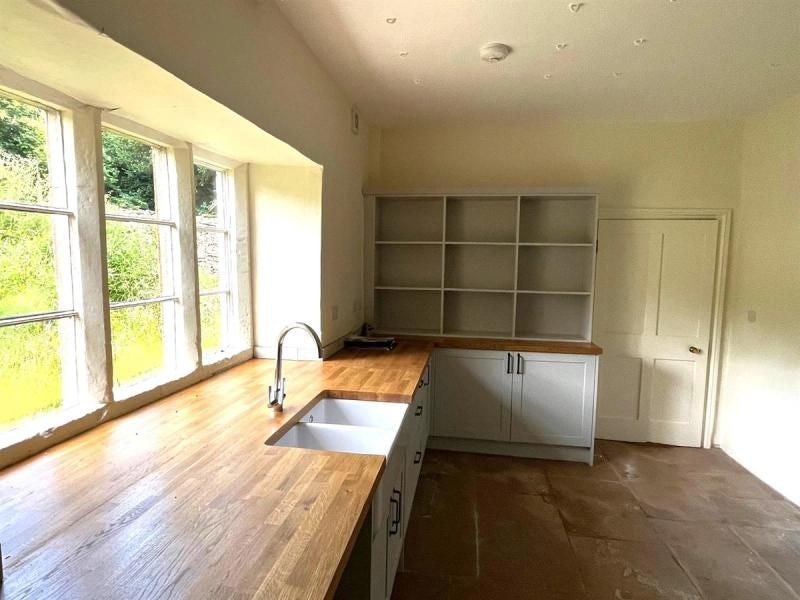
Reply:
x=653, y=306
x=472, y=394
x=553, y=401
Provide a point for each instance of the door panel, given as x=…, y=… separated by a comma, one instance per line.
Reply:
x=553, y=400
x=686, y=289
x=621, y=309
x=472, y=395
x=622, y=391
x=660, y=272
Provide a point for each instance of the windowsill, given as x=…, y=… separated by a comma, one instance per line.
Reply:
x=45, y=424
x=145, y=384
x=214, y=358
x=40, y=432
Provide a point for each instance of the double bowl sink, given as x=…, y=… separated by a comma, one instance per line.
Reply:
x=340, y=425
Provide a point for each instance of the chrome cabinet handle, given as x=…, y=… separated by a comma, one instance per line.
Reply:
x=695, y=350
x=509, y=363
x=519, y=364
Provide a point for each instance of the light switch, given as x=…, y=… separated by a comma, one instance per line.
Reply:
x=751, y=316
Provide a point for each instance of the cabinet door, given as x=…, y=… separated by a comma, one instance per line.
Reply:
x=553, y=399
x=472, y=394
x=395, y=528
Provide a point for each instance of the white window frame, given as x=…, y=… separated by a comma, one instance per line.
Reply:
x=238, y=338
x=82, y=172
x=168, y=233
x=65, y=234
x=225, y=192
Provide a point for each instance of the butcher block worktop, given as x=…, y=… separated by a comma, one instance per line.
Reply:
x=182, y=499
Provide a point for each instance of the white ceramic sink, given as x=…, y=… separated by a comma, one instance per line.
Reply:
x=361, y=413
x=339, y=438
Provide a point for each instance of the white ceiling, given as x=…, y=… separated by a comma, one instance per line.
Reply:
x=702, y=59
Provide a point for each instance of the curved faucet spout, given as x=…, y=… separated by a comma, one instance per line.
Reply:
x=277, y=391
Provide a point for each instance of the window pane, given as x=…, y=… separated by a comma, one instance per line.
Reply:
x=30, y=369
x=211, y=260
x=137, y=341
x=213, y=312
x=134, y=261
x=30, y=246
x=206, y=195
x=128, y=177
x=24, y=174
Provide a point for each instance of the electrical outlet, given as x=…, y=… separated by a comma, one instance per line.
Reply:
x=334, y=312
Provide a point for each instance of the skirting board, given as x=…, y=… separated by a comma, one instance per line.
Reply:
x=584, y=455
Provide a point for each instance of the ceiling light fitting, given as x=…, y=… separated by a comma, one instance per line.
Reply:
x=575, y=6
x=494, y=52
x=561, y=46
x=639, y=41
x=403, y=54
x=391, y=20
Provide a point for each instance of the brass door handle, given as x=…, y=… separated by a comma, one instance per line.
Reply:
x=695, y=350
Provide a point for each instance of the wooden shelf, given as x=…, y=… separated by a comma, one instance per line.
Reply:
x=557, y=219
x=479, y=267
x=478, y=313
x=560, y=244
x=398, y=243
x=556, y=268
x=554, y=293
x=483, y=266
x=451, y=243
x=552, y=316
x=410, y=219
x=416, y=266
x=480, y=290
x=408, y=310
x=481, y=219
x=407, y=288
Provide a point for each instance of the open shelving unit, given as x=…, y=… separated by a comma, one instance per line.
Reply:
x=505, y=265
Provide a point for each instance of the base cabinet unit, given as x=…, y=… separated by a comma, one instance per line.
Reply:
x=472, y=392
x=553, y=399
x=394, y=497
x=524, y=404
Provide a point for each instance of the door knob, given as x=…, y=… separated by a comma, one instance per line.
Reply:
x=695, y=350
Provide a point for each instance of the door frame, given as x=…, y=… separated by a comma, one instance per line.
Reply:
x=723, y=218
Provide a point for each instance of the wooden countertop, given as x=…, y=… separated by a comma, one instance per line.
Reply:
x=182, y=499
x=508, y=345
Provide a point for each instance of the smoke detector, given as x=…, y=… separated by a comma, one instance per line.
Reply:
x=494, y=52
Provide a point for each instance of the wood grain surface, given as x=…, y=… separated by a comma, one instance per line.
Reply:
x=182, y=499
x=507, y=345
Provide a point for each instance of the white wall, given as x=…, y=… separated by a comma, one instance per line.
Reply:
x=245, y=55
x=759, y=414
x=286, y=222
x=752, y=167
x=642, y=165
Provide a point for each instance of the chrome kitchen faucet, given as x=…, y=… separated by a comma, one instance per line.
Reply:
x=277, y=391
